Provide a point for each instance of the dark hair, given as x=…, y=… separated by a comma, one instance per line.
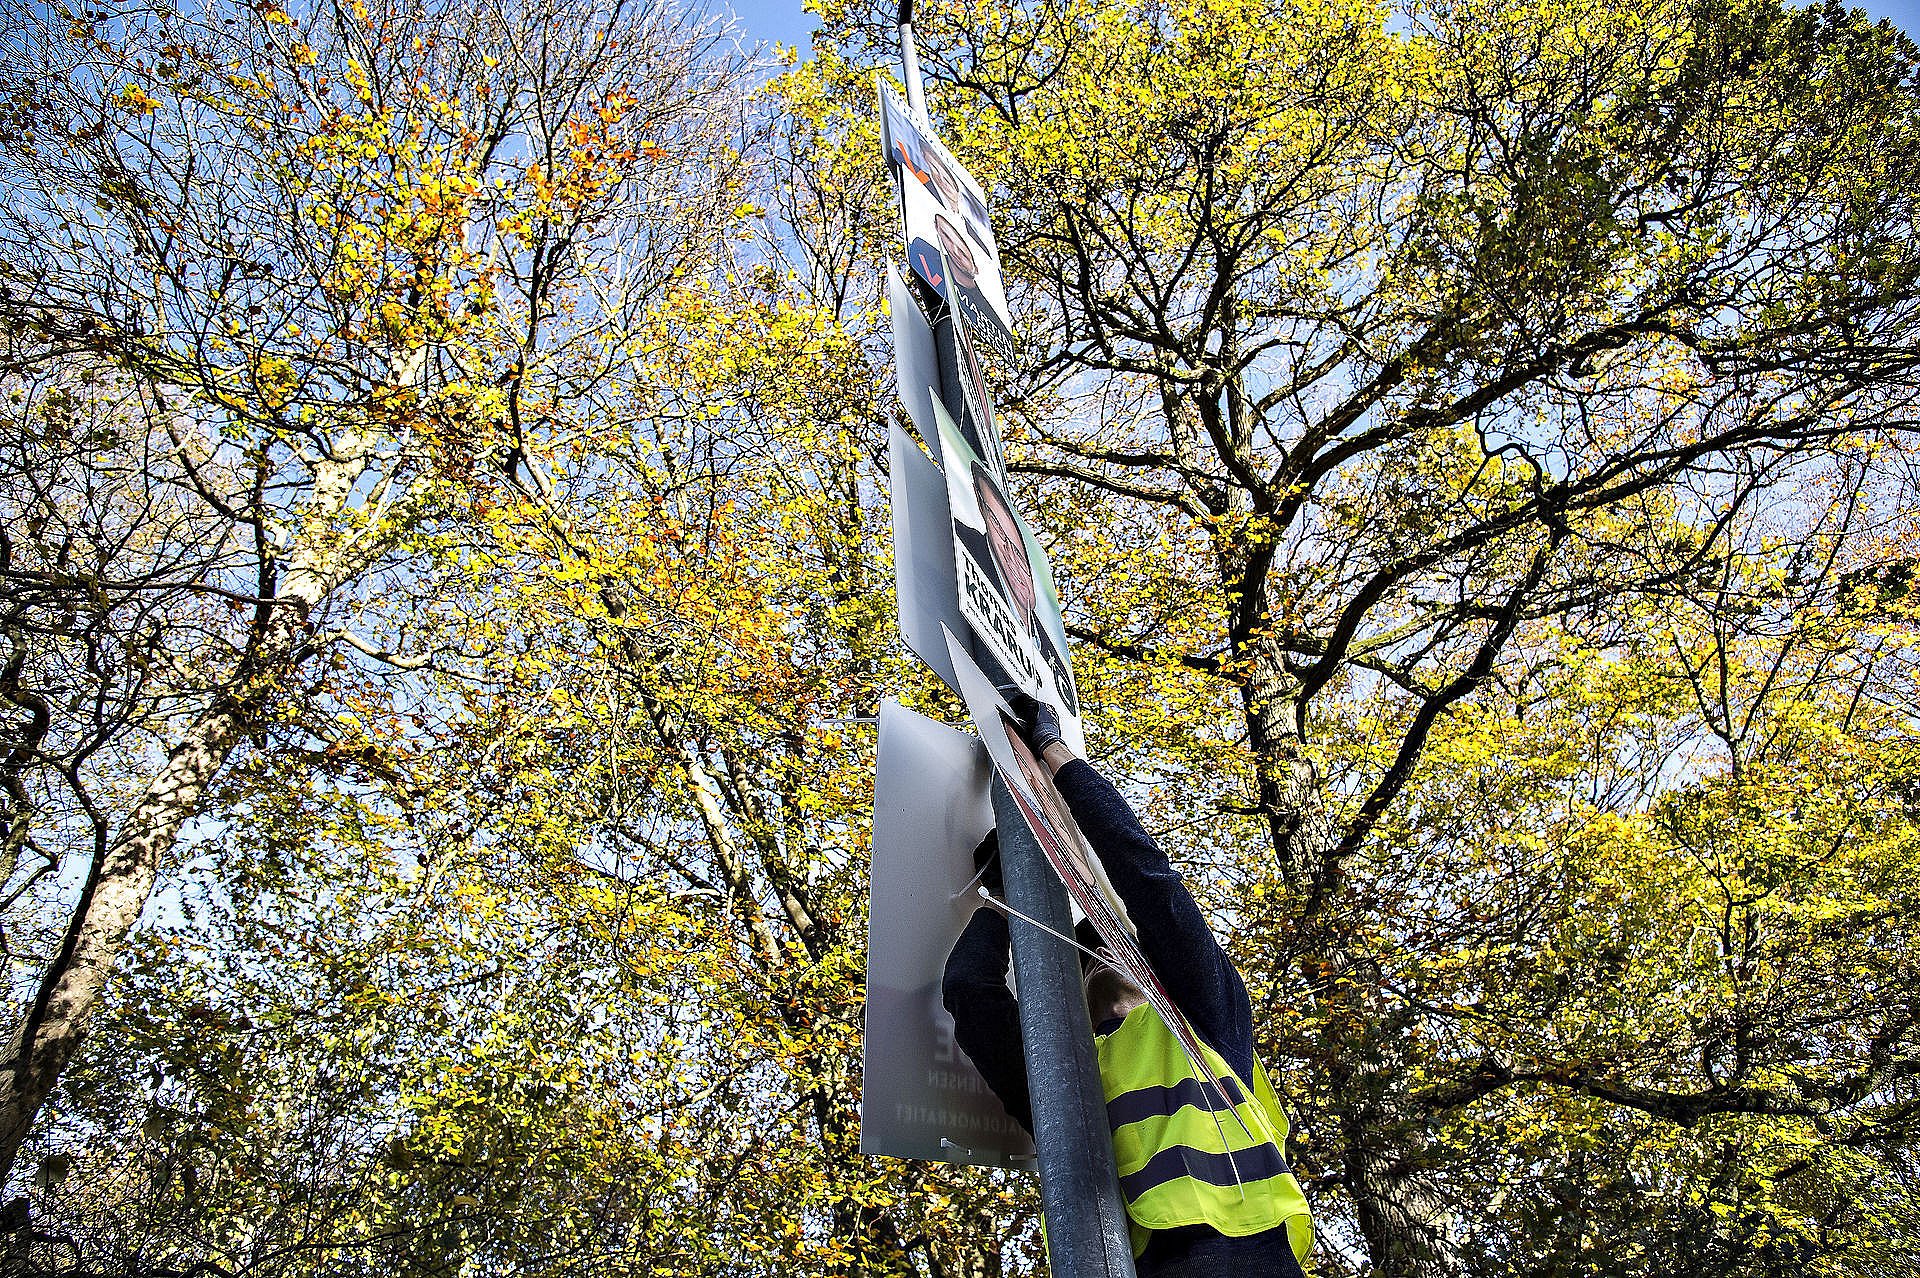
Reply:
x=1105, y=987
x=1102, y=985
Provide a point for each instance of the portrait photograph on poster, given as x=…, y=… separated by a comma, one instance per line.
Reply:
x=916, y=153
x=1006, y=587
x=1034, y=792
x=950, y=245
x=948, y=264
x=977, y=423
x=929, y=358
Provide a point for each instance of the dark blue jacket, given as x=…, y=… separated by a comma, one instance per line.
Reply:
x=1182, y=950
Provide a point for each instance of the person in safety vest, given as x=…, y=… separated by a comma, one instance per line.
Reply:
x=1207, y=1188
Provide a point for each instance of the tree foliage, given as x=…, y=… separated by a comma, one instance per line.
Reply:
x=1482, y=408
x=447, y=589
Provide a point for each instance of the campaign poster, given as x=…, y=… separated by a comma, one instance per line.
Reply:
x=920, y=1096
x=926, y=592
x=1038, y=799
x=962, y=370
x=1048, y=817
x=1005, y=584
x=950, y=243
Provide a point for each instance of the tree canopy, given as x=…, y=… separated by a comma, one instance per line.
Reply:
x=447, y=591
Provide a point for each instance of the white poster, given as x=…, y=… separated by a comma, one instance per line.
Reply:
x=925, y=588
x=916, y=361
x=950, y=243
x=1005, y=584
x=920, y=1096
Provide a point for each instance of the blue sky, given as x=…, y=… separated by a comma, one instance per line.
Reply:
x=784, y=21
x=781, y=20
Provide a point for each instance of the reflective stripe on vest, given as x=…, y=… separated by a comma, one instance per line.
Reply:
x=1146, y=1102
x=1228, y=1171
x=1185, y=1153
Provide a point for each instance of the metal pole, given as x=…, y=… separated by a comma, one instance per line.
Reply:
x=910, y=64
x=1079, y=1190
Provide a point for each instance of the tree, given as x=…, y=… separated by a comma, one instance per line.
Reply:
x=1476, y=464
x=1384, y=367
x=282, y=299
x=594, y=992
x=571, y=728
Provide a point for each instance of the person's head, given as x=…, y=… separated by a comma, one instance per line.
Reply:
x=1109, y=994
x=1009, y=548
x=945, y=186
x=961, y=263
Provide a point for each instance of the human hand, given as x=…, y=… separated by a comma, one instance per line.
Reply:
x=1039, y=722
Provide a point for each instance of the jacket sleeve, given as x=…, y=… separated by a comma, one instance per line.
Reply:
x=986, y=1018
x=1174, y=935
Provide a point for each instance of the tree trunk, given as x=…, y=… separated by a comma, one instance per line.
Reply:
x=116, y=891
x=1401, y=1219
x=1290, y=798
x=122, y=876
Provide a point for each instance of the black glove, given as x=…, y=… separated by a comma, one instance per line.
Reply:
x=987, y=856
x=1039, y=722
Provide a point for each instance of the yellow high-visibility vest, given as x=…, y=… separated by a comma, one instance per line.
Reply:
x=1187, y=1157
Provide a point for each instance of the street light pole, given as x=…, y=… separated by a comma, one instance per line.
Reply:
x=910, y=64
x=1079, y=1189
x=1086, y=1218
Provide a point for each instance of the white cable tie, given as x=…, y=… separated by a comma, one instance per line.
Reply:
x=978, y=874
x=1008, y=910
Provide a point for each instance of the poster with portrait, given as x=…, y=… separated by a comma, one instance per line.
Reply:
x=966, y=395
x=920, y=1096
x=950, y=243
x=1034, y=793
x=1061, y=842
x=937, y=360
x=1005, y=585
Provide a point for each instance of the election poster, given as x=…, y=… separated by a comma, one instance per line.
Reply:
x=1047, y=816
x=920, y=1096
x=937, y=360
x=962, y=371
x=1005, y=585
x=1034, y=793
x=950, y=244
